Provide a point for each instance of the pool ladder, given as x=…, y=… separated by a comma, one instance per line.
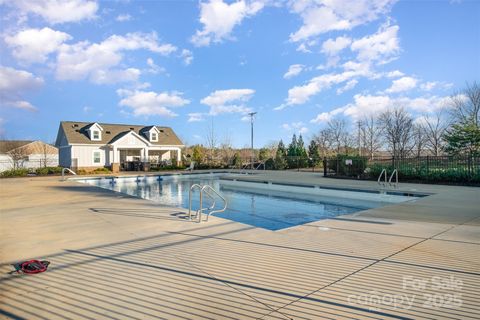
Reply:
x=207, y=190
x=383, y=174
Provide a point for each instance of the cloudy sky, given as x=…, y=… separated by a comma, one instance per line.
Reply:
x=188, y=64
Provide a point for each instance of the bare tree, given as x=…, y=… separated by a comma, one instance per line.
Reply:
x=397, y=128
x=338, y=134
x=419, y=139
x=46, y=154
x=435, y=127
x=324, y=141
x=211, y=140
x=18, y=153
x=226, y=149
x=466, y=104
x=371, y=135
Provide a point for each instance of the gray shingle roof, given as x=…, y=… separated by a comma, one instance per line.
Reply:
x=76, y=132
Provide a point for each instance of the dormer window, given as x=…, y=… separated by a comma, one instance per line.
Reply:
x=95, y=132
x=153, y=136
x=96, y=135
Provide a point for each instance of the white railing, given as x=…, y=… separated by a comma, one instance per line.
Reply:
x=383, y=173
x=395, y=184
x=204, y=189
x=69, y=170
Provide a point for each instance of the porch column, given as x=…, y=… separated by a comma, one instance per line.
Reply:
x=115, y=161
x=179, y=156
x=114, y=155
x=145, y=155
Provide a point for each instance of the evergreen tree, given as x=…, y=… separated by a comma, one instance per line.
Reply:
x=463, y=138
x=280, y=161
x=292, y=153
x=313, y=153
x=301, y=153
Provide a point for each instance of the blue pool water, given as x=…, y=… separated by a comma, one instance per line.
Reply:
x=267, y=209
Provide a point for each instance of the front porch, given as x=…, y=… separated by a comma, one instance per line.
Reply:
x=132, y=152
x=143, y=159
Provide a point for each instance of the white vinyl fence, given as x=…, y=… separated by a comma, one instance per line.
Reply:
x=33, y=161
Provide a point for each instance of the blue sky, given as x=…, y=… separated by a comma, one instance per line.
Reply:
x=188, y=64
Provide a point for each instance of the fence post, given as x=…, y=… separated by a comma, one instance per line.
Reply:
x=469, y=161
x=324, y=166
x=428, y=167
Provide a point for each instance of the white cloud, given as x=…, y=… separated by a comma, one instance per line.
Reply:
x=365, y=105
x=94, y=60
x=14, y=85
x=382, y=46
x=327, y=116
x=154, y=68
x=123, y=17
x=219, y=19
x=430, y=85
x=149, y=103
x=34, y=45
x=302, y=94
x=115, y=75
x=333, y=47
x=228, y=101
x=195, y=117
x=297, y=127
x=293, y=70
x=58, y=11
x=187, y=56
x=323, y=16
x=349, y=86
x=394, y=74
x=402, y=84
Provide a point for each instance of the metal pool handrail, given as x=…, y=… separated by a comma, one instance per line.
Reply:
x=395, y=172
x=384, y=172
x=204, y=189
x=214, y=211
x=69, y=170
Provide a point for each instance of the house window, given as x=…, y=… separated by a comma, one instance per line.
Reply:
x=96, y=135
x=154, y=136
x=96, y=157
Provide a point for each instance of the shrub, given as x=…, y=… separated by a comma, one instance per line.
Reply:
x=270, y=164
x=102, y=170
x=22, y=172
x=48, y=170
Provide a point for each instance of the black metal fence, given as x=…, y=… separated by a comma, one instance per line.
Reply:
x=450, y=169
x=445, y=169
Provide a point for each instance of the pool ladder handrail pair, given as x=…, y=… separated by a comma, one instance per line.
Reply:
x=384, y=173
x=205, y=189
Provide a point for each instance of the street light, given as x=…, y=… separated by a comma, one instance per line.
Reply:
x=251, y=114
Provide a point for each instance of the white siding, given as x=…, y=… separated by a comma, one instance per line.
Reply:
x=34, y=161
x=84, y=154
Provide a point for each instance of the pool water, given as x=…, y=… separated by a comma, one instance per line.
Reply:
x=266, y=209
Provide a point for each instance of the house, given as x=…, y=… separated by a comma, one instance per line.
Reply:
x=15, y=154
x=88, y=146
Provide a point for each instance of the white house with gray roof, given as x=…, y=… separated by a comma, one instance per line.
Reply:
x=87, y=146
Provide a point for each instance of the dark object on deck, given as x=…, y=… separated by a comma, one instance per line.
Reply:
x=31, y=266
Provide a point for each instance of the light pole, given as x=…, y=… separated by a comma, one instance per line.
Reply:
x=251, y=114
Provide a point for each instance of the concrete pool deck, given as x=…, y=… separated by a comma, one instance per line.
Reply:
x=118, y=257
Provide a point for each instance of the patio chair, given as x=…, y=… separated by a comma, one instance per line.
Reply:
x=190, y=168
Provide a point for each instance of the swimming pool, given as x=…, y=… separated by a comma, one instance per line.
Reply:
x=261, y=205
